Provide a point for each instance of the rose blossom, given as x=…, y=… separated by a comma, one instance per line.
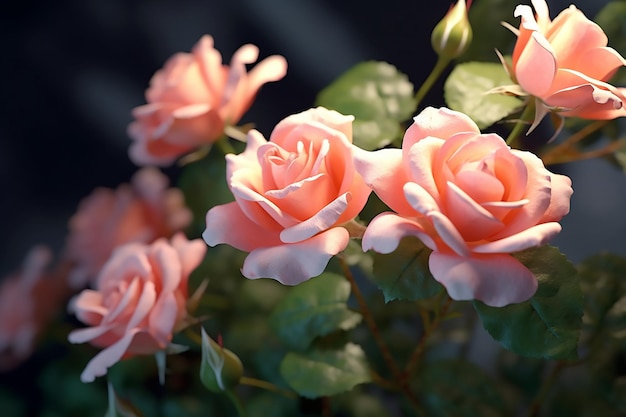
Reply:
x=27, y=300
x=138, y=212
x=194, y=97
x=566, y=63
x=469, y=198
x=138, y=302
x=292, y=194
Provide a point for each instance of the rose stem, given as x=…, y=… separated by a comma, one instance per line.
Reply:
x=429, y=328
x=259, y=383
x=369, y=320
x=513, y=137
x=440, y=65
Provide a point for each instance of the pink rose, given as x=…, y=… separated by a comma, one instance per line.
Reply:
x=138, y=212
x=566, y=63
x=292, y=194
x=469, y=198
x=28, y=300
x=194, y=97
x=139, y=301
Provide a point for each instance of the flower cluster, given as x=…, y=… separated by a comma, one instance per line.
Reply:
x=427, y=205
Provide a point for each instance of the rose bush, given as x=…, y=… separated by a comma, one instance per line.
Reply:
x=192, y=99
x=139, y=301
x=138, y=212
x=292, y=194
x=469, y=198
x=28, y=300
x=566, y=63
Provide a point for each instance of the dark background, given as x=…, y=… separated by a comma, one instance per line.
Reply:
x=72, y=70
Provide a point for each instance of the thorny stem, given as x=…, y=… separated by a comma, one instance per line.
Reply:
x=442, y=63
x=259, y=383
x=382, y=346
x=429, y=328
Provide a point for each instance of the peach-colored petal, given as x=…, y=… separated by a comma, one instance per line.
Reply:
x=324, y=219
x=536, y=67
x=292, y=264
x=420, y=159
x=496, y=279
x=108, y=357
x=319, y=118
x=538, y=194
x=166, y=258
x=382, y=171
x=163, y=316
x=531, y=237
x=260, y=209
x=87, y=334
x=449, y=234
x=385, y=231
x=473, y=221
x=228, y=224
x=419, y=198
x=559, y=198
x=437, y=123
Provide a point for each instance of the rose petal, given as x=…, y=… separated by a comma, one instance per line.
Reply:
x=533, y=236
x=88, y=333
x=291, y=264
x=228, y=224
x=385, y=231
x=143, y=307
x=437, y=123
x=163, y=317
x=496, y=279
x=473, y=221
x=419, y=198
x=536, y=67
x=559, y=198
x=448, y=232
x=383, y=171
x=322, y=220
x=108, y=357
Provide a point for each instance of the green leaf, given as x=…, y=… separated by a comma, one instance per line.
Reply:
x=404, y=273
x=204, y=185
x=378, y=96
x=465, y=89
x=455, y=388
x=548, y=325
x=314, y=308
x=319, y=373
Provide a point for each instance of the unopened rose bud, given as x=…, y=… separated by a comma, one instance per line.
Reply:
x=221, y=369
x=453, y=34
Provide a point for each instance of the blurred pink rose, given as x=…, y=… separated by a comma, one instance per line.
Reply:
x=139, y=300
x=194, y=97
x=138, y=212
x=292, y=194
x=469, y=198
x=566, y=63
x=28, y=300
